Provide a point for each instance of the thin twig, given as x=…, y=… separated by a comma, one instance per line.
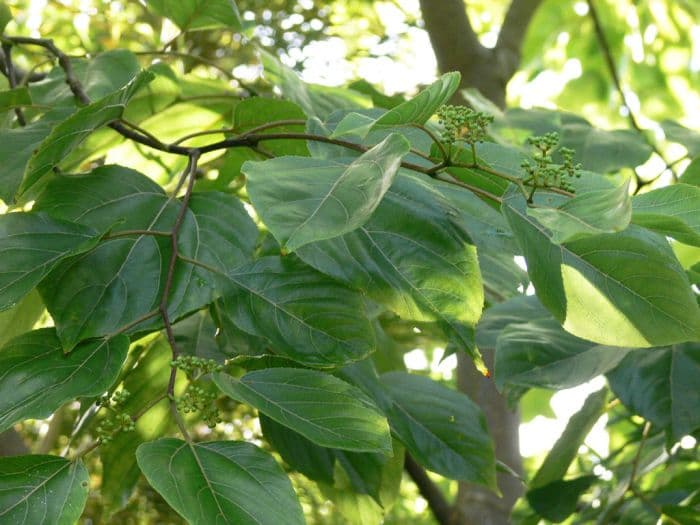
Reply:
x=612, y=70
x=12, y=79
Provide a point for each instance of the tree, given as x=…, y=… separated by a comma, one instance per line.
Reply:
x=208, y=258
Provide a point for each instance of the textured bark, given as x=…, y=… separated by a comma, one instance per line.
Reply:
x=457, y=48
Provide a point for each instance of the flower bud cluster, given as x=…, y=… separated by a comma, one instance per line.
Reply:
x=543, y=172
x=463, y=123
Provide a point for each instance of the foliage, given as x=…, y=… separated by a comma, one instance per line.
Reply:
x=210, y=261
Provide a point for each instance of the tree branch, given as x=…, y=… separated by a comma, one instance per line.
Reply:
x=439, y=506
x=451, y=33
x=512, y=34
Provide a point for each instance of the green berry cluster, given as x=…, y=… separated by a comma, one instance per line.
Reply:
x=544, y=173
x=463, y=123
x=195, y=366
x=197, y=399
x=117, y=420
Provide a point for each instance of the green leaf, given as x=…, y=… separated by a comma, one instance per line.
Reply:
x=355, y=124
x=541, y=354
x=598, y=290
x=17, y=146
x=421, y=107
x=299, y=453
x=322, y=408
x=257, y=111
x=148, y=380
x=306, y=316
x=605, y=151
x=374, y=474
x=123, y=279
x=21, y=318
x=673, y=211
x=5, y=16
x=557, y=501
x=223, y=482
x=591, y=213
x=413, y=256
x=16, y=97
x=67, y=135
x=32, y=244
x=565, y=450
x=36, y=377
x=691, y=175
x=42, y=490
x=441, y=428
x=661, y=385
x=196, y=15
x=303, y=200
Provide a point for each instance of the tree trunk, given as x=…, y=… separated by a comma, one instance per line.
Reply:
x=457, y=48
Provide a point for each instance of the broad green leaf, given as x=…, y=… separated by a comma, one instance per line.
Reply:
x=148, y=380
x=194, y=15
x=5, y=16
x=36, y=377
x=305, y=315
x=413, y=256
x=591, y=213
x=299, y=453
x=536, y=402
x=17, y=146
x=672, y=210
x=605, y=151
x=599, y=291
x=441, y=428
x=303, y=200
x=355, y=509
x=21, y=317
x=196, y=335
x=100, y=76
x=16, y=97
x=32, y=244
x=126, y=274
x=661, y=385
x=317, y=405
x=355, y=124
x=519, y=309
x=67, y=135
x=421, y=107
x=564, y=451
x=42, y=490
x=257, y=111
x=541, y=354
x=222, y=482
x=557, y=501
x=122, y=279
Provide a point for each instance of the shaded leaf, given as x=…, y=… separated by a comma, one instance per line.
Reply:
x=689, y=138
x=12, y=98
x=305, y=315
x=441, y=428
x=72, y=131
x=38, y=489
x=303, y=200
x=541, y=354
x=661, y=385
x=32, y=244
x=557, y=501
x=317, y=405
x=223, y=482
x=672, y=210
x=299, y=453
x=36, y=377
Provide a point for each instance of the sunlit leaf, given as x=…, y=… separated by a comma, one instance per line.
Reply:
x=673, y=211
x=303, y=200
x=193, y=15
